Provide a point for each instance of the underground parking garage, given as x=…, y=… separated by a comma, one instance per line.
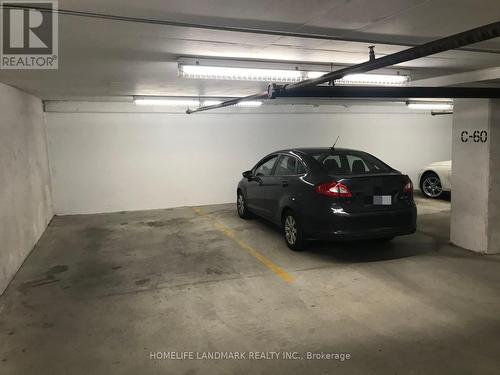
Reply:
x=254, y=187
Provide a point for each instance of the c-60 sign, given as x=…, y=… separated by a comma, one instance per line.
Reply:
x=476, y=136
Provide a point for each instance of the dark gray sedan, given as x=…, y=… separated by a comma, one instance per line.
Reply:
x=329, y=194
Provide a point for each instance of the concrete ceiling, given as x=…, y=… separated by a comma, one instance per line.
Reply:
x=103, y=57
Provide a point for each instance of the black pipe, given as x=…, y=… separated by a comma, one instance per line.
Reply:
x=441, y=113
x=462, y=39
x=390, y=92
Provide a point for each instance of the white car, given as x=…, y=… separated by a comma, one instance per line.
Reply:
x=435, y=179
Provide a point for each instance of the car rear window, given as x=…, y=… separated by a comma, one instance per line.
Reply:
x=347, y=163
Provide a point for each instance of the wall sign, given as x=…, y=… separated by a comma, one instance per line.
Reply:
x=475, y=136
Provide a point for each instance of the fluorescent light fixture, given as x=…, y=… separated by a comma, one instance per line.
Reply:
x=187, y=102
x=249, y=70
x=210, y=102
x=430, y=106
x=311, y=75
x=240, y=74
x=373, y=80
x=366, y=79
x=167, y=102
x=247, y=104
x=250, y=103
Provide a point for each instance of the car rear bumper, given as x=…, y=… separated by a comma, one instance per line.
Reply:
x=370, y=225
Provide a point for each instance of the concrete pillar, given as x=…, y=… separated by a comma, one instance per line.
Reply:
x=475, y=198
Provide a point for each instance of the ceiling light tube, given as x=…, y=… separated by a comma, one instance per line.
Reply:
x=283, y=75
x=366, y=79
x=187, y=102
x=373, y=80
x=430, y=106
x=240, y=74
x=167, y=102
x=250, y=103
x=210, y=102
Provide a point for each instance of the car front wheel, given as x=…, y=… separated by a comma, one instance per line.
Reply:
x=292, y=231
x=241, y=206
x=431, y=185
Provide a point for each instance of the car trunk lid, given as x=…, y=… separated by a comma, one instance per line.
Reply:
x=375, y=192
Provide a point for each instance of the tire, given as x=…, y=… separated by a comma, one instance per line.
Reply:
x=292, y=232
x=241, y=206
x=430, y=185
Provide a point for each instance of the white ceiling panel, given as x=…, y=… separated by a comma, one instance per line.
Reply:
x=105, y=57
x=353, y=15
x=432, y=20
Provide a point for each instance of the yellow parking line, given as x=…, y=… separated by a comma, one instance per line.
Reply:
x=249, y=249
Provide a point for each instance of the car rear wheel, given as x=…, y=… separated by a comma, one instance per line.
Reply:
x=241, y=206
x=431, y=185
x=292, y=231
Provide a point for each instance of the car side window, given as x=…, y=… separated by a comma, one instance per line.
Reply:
x=266, y=167
x=301, y=168
x=287, y=166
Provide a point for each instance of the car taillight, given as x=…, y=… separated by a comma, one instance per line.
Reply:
x=408, y=188
x=334, y=189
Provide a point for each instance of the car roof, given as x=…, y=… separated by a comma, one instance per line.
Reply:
x=317, y=150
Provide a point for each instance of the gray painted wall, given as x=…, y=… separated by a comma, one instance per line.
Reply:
x=469, y=219
x=103, y=162
x=475, y=208
x=494, y=185
x=25, y=194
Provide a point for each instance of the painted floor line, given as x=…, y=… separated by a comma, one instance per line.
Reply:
x=249, y=249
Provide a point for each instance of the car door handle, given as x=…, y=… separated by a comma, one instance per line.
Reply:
x=284, y=183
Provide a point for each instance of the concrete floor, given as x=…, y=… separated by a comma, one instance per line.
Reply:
x=99, y=293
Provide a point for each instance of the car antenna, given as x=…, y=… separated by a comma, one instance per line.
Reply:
x=333, y=147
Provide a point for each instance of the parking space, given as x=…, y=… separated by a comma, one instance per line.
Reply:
x=104, y=293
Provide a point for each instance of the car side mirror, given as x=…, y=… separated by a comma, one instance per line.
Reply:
x=248, y=175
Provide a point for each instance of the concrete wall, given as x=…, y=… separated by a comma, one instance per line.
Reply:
x=104, y=162
x=470, y=160
x=494, y=185
x=25, y=196
x=475, y=214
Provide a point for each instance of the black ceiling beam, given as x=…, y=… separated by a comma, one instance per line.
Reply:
x=390, y=92
x=462, y=39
